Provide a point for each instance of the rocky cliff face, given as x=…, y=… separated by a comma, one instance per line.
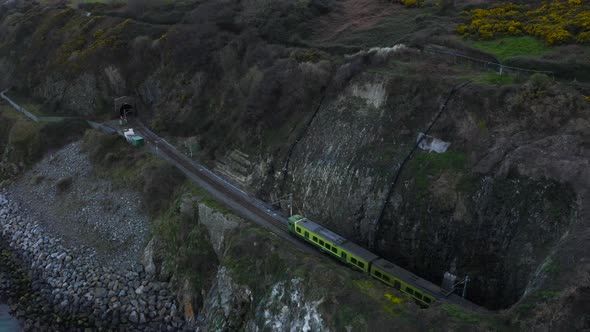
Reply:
x=474, y=209
x=261, y=283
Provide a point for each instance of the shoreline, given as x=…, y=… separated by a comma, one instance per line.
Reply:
x=50, y=286
x=7, y=322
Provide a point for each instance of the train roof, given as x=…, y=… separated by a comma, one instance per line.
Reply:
x=320, y=230
x=407, y=276
x=338, y=240
x=359, y=251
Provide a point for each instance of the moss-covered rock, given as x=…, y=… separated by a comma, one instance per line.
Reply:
x=24, y=143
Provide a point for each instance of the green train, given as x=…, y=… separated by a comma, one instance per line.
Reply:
x=422, y=291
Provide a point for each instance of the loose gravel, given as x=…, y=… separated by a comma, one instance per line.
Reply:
x=62, y=193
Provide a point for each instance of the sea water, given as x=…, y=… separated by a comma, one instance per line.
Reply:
x=7, y=322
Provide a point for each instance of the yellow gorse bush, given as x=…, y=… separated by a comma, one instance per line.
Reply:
x=556, y=22
x=410, y=3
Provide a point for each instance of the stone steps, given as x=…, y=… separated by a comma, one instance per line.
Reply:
x=236, y=167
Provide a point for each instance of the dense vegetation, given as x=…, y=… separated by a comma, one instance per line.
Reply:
x=555, y=22
x=23, y=142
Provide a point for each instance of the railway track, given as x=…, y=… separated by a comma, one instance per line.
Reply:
x=244, y=204
x=240, y=202
x=237, y=200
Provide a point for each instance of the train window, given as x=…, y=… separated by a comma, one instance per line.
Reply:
x=409, y=291
x=306, y=234
x=378, y=274
x=353, y=260
x=361, y=265
x=328, y=246
x=386, y=278
x=418, y=296
x=315, y=239
x=343, y=255
x=427, y=299
x=334, y=250
x=298, y=229
x=396, y=284
x=321, y=242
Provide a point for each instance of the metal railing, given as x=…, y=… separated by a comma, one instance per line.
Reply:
x=101, y=127
x=30, y=115
x=498, y=67
x=18, y=107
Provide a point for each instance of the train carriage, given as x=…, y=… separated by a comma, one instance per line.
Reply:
x=362, y=259
x=358, y=256
x=422, y=291
x=331, y=243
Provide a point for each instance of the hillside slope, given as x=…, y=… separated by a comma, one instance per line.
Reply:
x=285, y=97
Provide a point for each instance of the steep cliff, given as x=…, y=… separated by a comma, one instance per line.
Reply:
x=471, y=208
x=258, y=282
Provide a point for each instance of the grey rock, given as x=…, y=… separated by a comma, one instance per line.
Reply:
x=133, y=317
x=139, y=290
x=100, y=292
x=142, y=319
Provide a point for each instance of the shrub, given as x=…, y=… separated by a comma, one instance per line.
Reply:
x=63, y=185
x=6, y=124
x=411, y=3
x=539, y=82
x=24, y=142
x=160, y=183
x=36, y=179
x=57, y=134
x=186, y=250
x=308, y=55
x=556, y=22
x=98, y=145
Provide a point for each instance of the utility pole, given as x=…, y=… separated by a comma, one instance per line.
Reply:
x=289, y=199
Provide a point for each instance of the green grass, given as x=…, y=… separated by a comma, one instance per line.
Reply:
x=428, y=164
x=9, y=112
x=205, y=197
x=27, y=103
x=492, y=78
x=461, y=314
x=124, y=176
x=532, y=301
x=508, y=47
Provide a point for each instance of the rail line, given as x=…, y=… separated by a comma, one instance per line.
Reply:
x=231, y=196
x=237, y=200
x=219, y=187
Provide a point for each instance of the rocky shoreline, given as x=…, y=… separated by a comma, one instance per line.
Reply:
x=50, y=286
